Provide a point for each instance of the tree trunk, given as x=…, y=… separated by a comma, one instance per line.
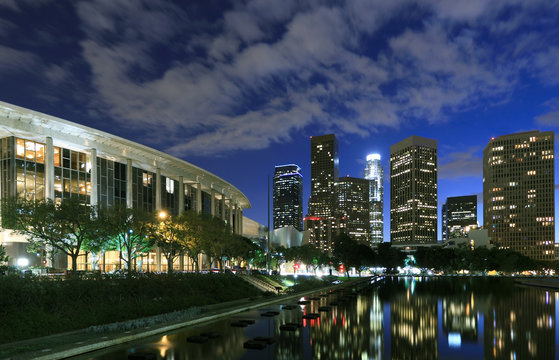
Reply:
x=170, y=259
x=74, y=257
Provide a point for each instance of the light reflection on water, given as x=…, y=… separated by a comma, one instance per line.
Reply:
x=406, y=318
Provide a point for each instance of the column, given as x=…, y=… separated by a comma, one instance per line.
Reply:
x=240, y=221
x=157, y=209
x=236, y=219
x=158, y=189
x=181, y=197
x=212, y=202
x=93, y=197
x=49, y=169
x=129, y=183
x=199, y=198
x=222, y=206
x=230, y=207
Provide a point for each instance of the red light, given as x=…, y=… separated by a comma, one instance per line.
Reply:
x=342, y=268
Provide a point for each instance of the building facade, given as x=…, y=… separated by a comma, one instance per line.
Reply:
x=459, y=215
x=353, y=207
x=322, y=203
x=324, y=174
x=519, y=193
x=375, y=174
x=288, y=197
x=42, y=156
x=413, y=191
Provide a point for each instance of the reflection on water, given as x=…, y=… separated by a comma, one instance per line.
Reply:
x=406, y=318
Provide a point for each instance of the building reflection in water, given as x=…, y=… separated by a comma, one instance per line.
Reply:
x=414, y=325
x=452, y=318
x=522, y=326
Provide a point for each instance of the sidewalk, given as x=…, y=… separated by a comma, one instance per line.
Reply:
x=78, y=342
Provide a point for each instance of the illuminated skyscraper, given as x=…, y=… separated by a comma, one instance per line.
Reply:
x=375, y=174
x=288, y=196
x=324, y=174
x=459, y=216
x=519, y=193
x=322, y=220
x=353, y=207
x=413, y=191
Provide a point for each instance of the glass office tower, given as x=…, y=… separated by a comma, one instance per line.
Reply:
x=375, y=174
x=288, y=196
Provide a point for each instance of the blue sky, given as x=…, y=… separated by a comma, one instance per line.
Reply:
x=238, y=87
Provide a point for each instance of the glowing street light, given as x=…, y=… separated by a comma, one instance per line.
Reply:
x=162, y=215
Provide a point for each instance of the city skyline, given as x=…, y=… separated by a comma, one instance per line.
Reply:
x=238, y=88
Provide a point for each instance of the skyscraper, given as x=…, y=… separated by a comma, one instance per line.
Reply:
x=288, y=196
x=324, y=174
x=322, y=220
x=375, y=174
x=519, y=193
x=459, y=216
x=353, y=206
x=413, y=191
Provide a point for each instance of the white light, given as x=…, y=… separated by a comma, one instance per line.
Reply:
x=454, y=340
x=23, y=262
x=373, y=157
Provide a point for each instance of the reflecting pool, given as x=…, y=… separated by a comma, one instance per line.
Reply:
x=400, y=318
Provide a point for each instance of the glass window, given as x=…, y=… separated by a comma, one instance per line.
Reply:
x=147, y=179
x=30, y=150
x=20, y=148
x=81, y=160
x=40, y=153
x=56, y=156
x=74, y=160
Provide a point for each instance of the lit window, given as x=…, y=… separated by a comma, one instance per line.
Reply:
x=170, y=185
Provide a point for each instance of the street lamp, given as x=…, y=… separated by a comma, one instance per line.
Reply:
x=162, y=215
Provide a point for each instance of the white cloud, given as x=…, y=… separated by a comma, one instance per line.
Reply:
x=461, y=164
x=13, y=60
x=549, y=119
x=268, y=70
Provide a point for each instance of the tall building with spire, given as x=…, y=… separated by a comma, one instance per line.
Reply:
x=375, y=174
x=413, y=191
x=288, y=196
x=519, y=193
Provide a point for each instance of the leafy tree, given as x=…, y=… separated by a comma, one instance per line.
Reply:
x=67, y=226
x=244, y=249
x=346, y=252
x=168, y=233
x=193, y=240
x=217, y=239
x=389, y=257
x=3, y=256
x=126, y=231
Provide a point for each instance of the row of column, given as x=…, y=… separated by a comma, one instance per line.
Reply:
x=235, y=212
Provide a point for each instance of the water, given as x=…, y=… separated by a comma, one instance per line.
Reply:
x=406, y=318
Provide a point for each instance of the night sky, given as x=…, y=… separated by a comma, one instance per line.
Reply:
x=239, y=87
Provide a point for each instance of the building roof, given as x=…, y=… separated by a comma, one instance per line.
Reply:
x=33, y=125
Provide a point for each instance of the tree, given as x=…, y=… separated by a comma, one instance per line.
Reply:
x=3, y=257
x=66, y=226
x=168, y=233
x=389, y=257
x=345, y=251
x=126, y=231
x=192, y=241
x=217, y=239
